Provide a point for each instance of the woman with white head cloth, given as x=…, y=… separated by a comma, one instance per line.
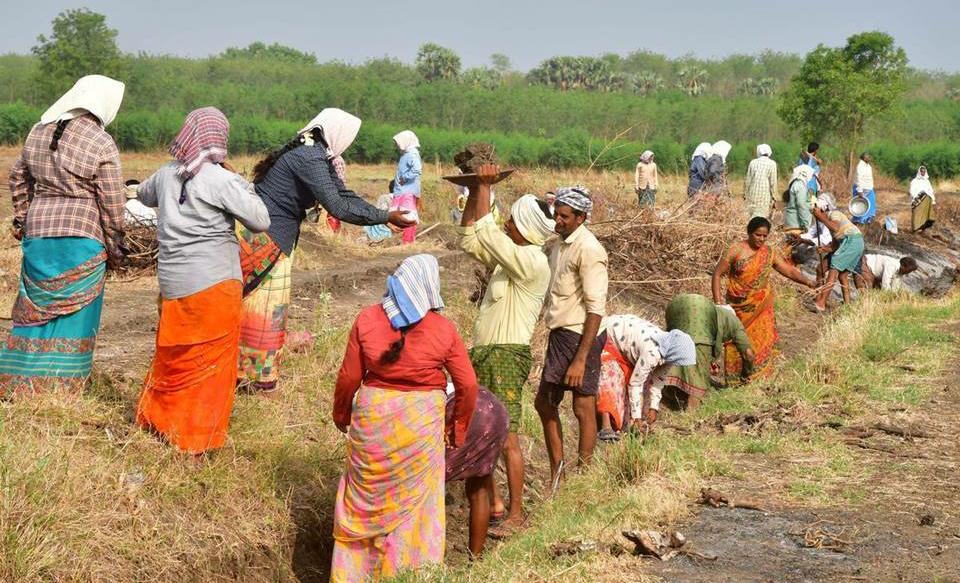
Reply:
x=921, y=200
x=342, y=131
x=716, y=182
x=848, y=242
x=645, y=179
x=698, y=168
x=798, y=198
x=761, y=183
x=291, y=180
x=406, y=192
x=68, y=200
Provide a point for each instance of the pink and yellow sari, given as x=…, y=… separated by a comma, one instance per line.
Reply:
x=750, y=295
x=390, y=515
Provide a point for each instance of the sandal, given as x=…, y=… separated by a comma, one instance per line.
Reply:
x=608, y=436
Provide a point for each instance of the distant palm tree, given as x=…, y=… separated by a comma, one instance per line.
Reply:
x=646, y=83
x=692, y=80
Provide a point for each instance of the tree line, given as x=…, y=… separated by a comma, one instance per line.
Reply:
x=642, y=97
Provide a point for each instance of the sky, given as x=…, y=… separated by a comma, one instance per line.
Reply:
x=525, y=30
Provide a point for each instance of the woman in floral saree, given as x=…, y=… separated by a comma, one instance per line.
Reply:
x=747, y=265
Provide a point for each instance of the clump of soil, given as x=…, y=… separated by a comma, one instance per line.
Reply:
x=474, y=156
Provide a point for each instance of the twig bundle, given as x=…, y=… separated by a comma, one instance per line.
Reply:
x=663, y=254
x=143, y=247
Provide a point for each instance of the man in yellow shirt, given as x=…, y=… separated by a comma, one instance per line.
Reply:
x=575, y=309
x=509, y=311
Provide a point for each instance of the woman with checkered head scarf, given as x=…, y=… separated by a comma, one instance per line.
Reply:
x=189, y=391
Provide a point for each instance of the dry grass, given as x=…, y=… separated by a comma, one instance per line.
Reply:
x=89, y=497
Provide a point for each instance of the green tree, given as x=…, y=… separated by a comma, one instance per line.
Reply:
x=435, y=62
x=838, y=90
x=482, y=77
x=501, y=63
x=274, y=52
x=80, y=44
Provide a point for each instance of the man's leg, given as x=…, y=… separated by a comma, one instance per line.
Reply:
x=845, y=286
x=827, y=289
x=552, y=429
x=585, y=410
x=479, y=490
x=513, y=458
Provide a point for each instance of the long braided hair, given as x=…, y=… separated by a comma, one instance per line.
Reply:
x=58, y=133
x=392, y=354
x=263, y=166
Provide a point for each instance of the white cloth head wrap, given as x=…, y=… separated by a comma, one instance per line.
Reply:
x=575, y=197
x=95, y=94
x=677, y=347
x=802, y=172
x=764, y=150
x=921, y=184
x=406, y=140
x=530, y=220
x=826, y=202
x=722, y=148
x=646, y=156
x=704, y=150
x=340, y=129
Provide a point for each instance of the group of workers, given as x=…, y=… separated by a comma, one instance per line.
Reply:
x=226, y=250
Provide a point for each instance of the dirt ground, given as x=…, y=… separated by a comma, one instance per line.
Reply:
x=886, y=542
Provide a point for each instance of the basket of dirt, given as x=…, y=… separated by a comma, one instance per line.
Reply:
x=472, y=158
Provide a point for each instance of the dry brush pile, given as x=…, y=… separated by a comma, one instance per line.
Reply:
x=656, y=255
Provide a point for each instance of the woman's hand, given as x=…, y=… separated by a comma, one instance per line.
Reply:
x=399, y=219
x=228, y=167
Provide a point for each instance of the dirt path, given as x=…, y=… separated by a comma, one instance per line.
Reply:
x=906, y=528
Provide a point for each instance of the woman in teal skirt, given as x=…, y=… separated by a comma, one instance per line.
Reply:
x=68, y=198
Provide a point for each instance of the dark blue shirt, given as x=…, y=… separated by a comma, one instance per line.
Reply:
x=300, y=179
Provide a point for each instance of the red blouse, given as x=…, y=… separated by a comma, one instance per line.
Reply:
x=431, y=346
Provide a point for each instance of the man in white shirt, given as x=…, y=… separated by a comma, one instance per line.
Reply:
x=885, y=272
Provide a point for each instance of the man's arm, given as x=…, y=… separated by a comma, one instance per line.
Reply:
x=578, y=366
x=593, y=277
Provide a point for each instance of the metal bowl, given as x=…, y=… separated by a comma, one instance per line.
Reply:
x=859, y=206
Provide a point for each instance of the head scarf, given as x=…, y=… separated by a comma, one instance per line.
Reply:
x=826, y=202
x=202, y=140
x=921, y=184
x=802, y=172
x=764, y=150
x=412, y=291
x=339, y=129
x=722, y=148
x=575, y=197
x=530, y=220
x=704, y=150
x=94, y=94
x=406, y=140
x=677, y=347
x=646, y=156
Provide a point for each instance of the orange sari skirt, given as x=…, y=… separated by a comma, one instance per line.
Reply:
x=188, y=394
x=750, y=295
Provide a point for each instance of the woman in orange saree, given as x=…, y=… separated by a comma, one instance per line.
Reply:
x=747, y=265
